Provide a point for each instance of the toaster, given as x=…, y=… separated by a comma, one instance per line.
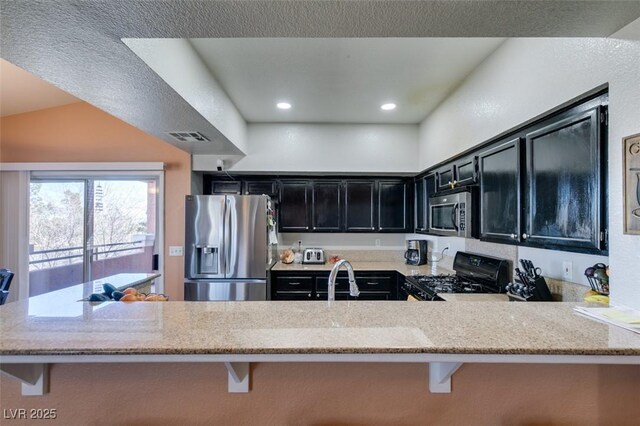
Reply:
x=313, y=255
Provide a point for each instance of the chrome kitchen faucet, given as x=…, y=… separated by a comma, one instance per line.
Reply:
x=353, y=287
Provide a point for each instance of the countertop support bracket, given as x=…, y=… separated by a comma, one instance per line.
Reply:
x=34, y=377
x=440, y=376
x=238, y=376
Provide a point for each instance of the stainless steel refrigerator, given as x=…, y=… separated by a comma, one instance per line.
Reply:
x=227, y=255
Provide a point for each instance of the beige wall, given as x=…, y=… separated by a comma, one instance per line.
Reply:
x=82, y=133
x=334, y=394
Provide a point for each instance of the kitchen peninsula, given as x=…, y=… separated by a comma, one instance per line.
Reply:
x=445, y=335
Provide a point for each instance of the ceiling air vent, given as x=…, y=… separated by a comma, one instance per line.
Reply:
x=189, y=137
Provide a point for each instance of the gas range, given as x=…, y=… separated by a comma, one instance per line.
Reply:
x=474, y=274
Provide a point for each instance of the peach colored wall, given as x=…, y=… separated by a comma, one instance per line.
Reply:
x=334, y=394
x=80, y=132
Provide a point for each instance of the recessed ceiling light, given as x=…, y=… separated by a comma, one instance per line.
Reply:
x=388, y=107
x=283, y=105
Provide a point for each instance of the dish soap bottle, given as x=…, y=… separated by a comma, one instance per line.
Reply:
x=298, y=254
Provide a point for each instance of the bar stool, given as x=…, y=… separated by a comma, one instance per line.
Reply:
x=5, y=281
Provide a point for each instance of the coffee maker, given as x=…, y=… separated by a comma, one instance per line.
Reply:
x=416, y=253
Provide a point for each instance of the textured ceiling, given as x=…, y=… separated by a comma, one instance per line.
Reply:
x=21, y=91
x=76, y=44
x=341, y=80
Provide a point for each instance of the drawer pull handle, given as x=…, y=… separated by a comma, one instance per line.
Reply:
x=372, y=283
x=294, y=283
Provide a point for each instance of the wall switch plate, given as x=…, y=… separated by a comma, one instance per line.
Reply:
x=377, y=242
x=567, y=271
x=175, y=251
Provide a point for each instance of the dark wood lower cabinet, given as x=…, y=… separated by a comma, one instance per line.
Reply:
x=313, y=285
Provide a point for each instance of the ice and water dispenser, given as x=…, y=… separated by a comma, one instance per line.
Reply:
x=207, y=260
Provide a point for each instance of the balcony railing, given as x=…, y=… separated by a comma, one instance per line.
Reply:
x=101, y=251
x=54, y=269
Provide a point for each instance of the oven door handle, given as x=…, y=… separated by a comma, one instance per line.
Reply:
x=454, y=217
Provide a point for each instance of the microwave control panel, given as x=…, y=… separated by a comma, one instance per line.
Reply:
x=462, y=219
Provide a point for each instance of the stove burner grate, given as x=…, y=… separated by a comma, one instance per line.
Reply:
x=450, y=284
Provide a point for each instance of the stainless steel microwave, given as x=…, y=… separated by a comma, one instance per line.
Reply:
x=451, y=214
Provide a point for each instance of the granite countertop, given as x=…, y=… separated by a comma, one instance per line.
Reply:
x=308, y=327
x=399, y=266
x=473, y=297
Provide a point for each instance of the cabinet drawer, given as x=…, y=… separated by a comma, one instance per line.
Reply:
x=292, y=295
x=342, y=284
x=293, y=283
x=365, y=283
x=373, y=283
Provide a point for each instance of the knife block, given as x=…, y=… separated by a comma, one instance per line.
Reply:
x=540, y=293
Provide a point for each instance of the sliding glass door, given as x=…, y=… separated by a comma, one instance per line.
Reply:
x=57, y=211
x=90, y=228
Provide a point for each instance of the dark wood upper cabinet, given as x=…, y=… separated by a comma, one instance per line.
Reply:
x=326, y=210
x=222, y=187
x=294, y=206
x=466, y=171
x=500, y=192
x=445, y=177
x=564, y=182
x=260, y=187
x=424, y=188
x=393, y=206
x=360, y=206
x=542, y=185
x=420, y=203
x=430, y=189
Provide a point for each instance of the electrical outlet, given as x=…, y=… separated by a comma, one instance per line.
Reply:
x=175, y=251
x=377, y=242
x=567, y=271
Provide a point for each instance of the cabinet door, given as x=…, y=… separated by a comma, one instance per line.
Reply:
x=445, y=177
x=323, y=295
x=393, y=206
x=429, y=189
x=326, y=209
x=500, y=192
x=466, y=171
x=420, y=204
x=563, y=182
x=360, y=206
x=294, y=206
x=226, y=187
x=260, y=187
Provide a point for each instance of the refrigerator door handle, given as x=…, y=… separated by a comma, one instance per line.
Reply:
x=228, y=234
x=223, y=240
